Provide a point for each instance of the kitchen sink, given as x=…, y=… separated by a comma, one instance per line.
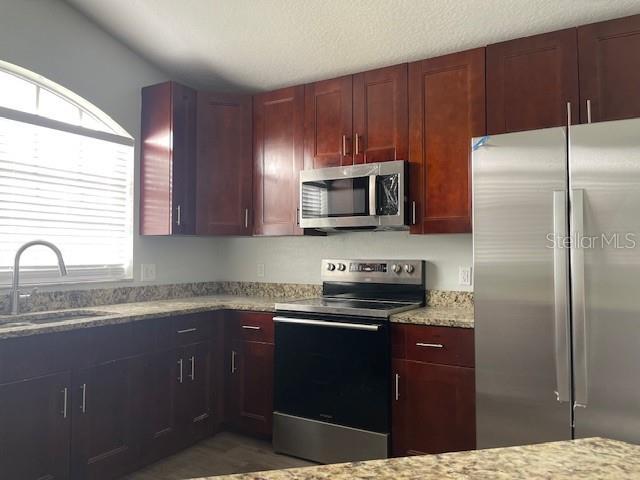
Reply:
x=28, y=319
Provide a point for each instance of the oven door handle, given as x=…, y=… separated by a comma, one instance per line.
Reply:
x=373, y=195
x=321, y=323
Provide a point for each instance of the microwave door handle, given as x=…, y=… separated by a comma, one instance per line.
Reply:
x=373, y=194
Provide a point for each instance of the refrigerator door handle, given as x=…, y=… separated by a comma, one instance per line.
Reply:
x=561, y=295
x=578, y=309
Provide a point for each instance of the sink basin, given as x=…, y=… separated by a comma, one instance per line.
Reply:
x=27, y=319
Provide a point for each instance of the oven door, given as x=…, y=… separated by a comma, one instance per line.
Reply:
x=333, y=370
x=360, y=196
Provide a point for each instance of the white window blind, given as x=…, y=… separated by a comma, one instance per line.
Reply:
x=68, y=184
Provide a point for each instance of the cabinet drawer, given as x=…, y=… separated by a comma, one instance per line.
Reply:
x=443, y=345
x=185, y=330
x=253, y=326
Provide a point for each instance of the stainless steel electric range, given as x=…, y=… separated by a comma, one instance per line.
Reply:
x=332, y=360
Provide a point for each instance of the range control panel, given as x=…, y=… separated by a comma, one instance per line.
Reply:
x=373, y=271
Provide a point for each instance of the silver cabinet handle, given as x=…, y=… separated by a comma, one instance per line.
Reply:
x=372, y=194
x=179, y=216
x=344, y=145
x=357, y=144
x=430, y=345
x=65, y=398
x=233, y=361
x=397, y=387
x=246, y=218
x=321, y=323
x=588, y=110
x=568, y=114
x=192, y=360
x=298, y=216
x=413, y=212
x=561, y=294
x=187, y=330
x=578, y=309
x=251, y=327
x=180, y=374
x=83, y=404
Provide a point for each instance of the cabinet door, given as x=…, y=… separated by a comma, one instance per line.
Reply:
x=251, y=387
x=35, y=425
x=160, y=417
x=610, y=69
x=434, y=410
x=106, y=418
x=380, y=115
x=224, y=165
x=447, y=109
x=278, y=122
x=194, y=400
x=167, y=165
x=328, y=123
x=531, y=80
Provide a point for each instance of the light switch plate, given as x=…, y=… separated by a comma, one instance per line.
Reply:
x=464, y=276
x=260, y=270
x=147, y=272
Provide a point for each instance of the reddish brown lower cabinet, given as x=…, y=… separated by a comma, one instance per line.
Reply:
x=446, y=110
x=278, y=136
x=433, y=390
x=250, y=378
x=35, y=428
x=610, y=70
x=224, y=165
x=531, y=80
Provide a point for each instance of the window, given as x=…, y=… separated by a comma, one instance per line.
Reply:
x=66, y=173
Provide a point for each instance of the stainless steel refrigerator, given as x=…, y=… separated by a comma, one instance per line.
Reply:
x=556, y=222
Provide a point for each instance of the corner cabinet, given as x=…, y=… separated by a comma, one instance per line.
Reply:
x=433, y=397
x=446, y=109
x=278, y=133
x=609, y=54
x=531, y=80
x=167, y=164
x=224, y=165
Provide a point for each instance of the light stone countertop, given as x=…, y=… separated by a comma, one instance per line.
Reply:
x=129, y=312
x=585, y=459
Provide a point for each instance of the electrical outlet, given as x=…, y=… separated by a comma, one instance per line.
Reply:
x=464, y=276
x=147, y=272
x=260, y=270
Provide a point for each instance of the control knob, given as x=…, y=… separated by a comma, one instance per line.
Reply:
x=342, y=267
x=409, y=268
x=396, y=268
x=331, y=267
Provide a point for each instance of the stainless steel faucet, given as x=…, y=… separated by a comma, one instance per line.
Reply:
x=15, y=291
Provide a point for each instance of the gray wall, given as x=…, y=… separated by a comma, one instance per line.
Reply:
x=52, y=39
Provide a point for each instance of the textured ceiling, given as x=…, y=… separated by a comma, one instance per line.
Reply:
x=265, y=44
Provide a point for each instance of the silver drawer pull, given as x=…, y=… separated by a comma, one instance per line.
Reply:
x=430, y=345
x=192, y=360
x=188, y=330
x=65, y=397
x=180, y=373
x=83, y=405
x=251, y=327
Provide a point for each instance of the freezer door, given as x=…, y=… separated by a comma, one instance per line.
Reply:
x=521, y=289
x=604, y=170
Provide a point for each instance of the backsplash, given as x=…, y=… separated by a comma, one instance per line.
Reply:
x=60, y=300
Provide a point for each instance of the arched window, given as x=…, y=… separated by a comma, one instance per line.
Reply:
x=66, y=176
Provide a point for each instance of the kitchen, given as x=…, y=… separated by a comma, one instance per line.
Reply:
x=294, y=240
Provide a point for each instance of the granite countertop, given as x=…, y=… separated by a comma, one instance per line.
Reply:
x=129, y=312
x=439, y=316
x=585, y=459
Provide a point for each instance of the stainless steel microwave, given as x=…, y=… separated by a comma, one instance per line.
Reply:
x=360, y=197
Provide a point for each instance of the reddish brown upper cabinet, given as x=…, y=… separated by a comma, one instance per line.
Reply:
x=433, y=408
x=609, y=55
x=278, y=142
x=446, y=109
x=167, y=162
x=531, y=80
x=224, y=164
x=380, y=115
x=328, y=123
